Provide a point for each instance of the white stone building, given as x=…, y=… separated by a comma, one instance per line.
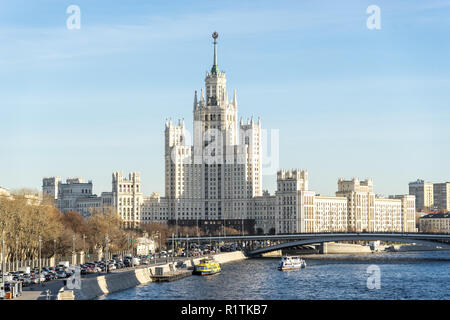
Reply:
x=154, y=209
x=144, y=246
x=424, y=194
x=354, y=209
x=127, y=197
x=219, y=175
x=300, y=210
x=263, y=211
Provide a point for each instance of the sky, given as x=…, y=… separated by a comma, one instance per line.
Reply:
x=347, y=101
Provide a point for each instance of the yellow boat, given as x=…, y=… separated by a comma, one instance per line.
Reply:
x=207, y=267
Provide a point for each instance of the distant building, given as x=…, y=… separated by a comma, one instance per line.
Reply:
x=74, y=195
x=154, y=209
x=424, y=194
x=361, y=203
x=263, y=212
x=50, y=187
x=441, y=196
x=5, y=193
x=354, y=209
x=144, y=246
x=436, y=222
x=127, y=197
x=300, y=210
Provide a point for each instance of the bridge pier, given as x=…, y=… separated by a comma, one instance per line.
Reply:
x=323, y=248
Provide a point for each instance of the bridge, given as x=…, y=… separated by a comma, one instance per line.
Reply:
x=283, y=241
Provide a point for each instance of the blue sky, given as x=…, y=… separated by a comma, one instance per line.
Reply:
x=348, y=101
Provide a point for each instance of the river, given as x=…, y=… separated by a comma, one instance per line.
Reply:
x=412, y=275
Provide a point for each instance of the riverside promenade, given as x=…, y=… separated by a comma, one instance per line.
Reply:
x=96, y=285
x=93, y=287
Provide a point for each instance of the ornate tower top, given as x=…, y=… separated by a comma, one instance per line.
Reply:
x=215, y=67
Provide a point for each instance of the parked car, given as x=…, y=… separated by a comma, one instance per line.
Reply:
x=61, y=274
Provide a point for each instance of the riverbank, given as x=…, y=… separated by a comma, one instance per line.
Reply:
x=94, y=287
x=424, y=276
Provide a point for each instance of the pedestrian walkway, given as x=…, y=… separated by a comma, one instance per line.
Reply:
x=37, y=292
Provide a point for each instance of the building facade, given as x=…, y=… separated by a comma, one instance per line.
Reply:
x=127, y=197
x=75, y=195
x=50, y=187
x=436, y=222
x=355, y=208
x=219, y=175
x=441, y=196
x=424, y=193
x=300, y=210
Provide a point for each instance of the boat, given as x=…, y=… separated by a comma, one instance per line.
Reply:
x=206, y=267
x=291, y=263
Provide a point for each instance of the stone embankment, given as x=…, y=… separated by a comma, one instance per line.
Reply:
x=94, y=287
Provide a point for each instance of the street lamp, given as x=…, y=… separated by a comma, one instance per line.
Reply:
x=3, y=263
x=173, y=246
x=132, y=251
x=187, y=245
x=106, y=252
x=84, y=243
x=73, y=244
x=16, y=254
x=54, y=250
x=40, y=262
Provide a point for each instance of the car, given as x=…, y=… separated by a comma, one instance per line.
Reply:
x=127, y=263
x=61, y=274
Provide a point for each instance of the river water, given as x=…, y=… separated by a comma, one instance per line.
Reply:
x=418, y=275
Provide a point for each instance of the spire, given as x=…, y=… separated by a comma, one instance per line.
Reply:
x=195, y=99
x=215, y=67
x=234, y=98
x=202, y=97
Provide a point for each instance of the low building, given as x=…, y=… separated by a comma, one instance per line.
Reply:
x=144, y=246
x=435, y=223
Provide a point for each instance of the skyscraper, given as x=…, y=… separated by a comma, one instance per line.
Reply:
x=218, y=176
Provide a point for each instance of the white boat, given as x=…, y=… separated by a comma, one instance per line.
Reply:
x=291, y=263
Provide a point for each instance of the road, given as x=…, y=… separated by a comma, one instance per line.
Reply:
x=39, y=292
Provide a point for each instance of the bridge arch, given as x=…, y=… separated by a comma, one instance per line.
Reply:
x=302, y=242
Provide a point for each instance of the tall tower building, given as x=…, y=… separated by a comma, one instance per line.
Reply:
x=127, y=197
x=361, y=203
x=217, y=177
x=441, y=195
